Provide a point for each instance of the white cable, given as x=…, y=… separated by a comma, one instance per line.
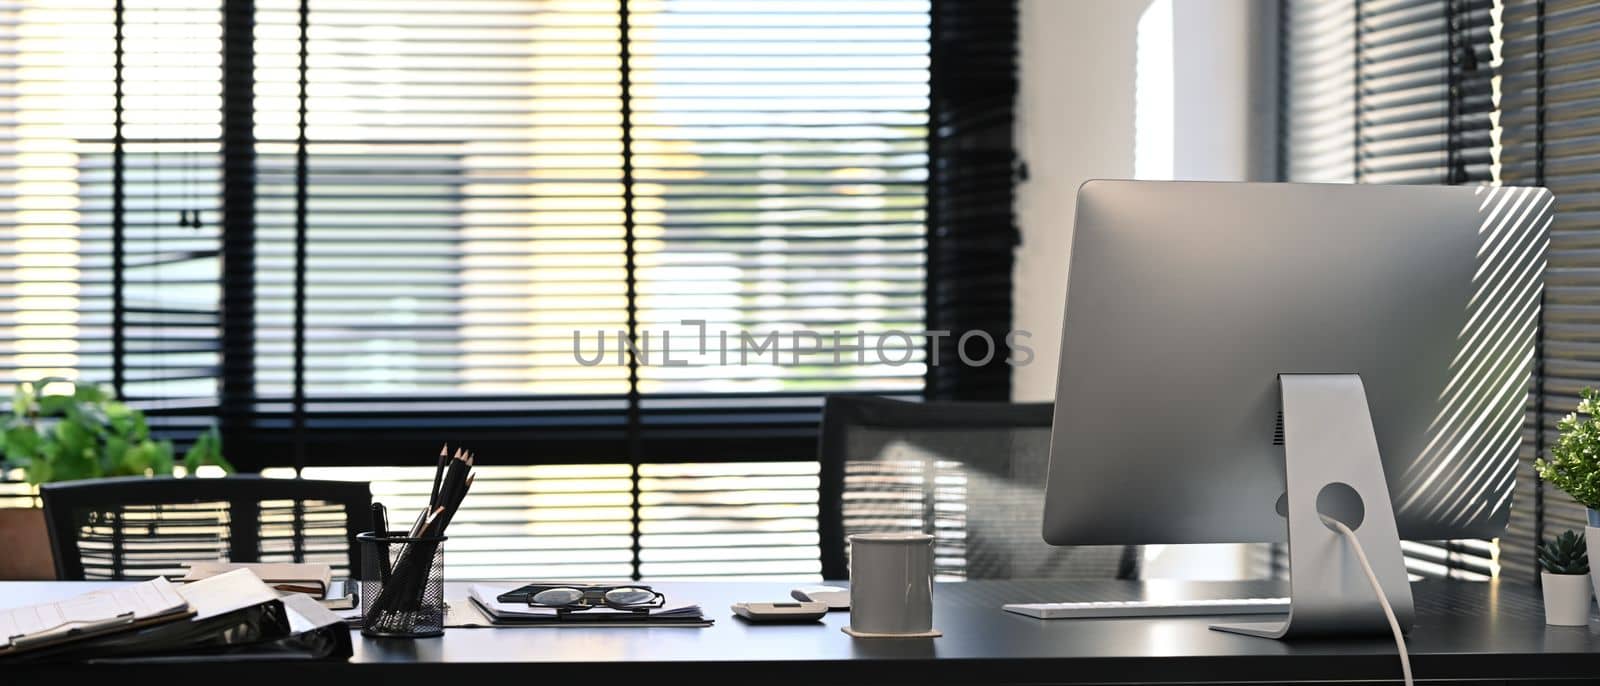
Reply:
x=1383, y=599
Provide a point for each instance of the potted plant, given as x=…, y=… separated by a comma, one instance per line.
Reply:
x=86, y=434
x=1574, y=463
x=1564, y=562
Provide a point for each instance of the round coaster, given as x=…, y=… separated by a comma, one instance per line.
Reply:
x=932, y=633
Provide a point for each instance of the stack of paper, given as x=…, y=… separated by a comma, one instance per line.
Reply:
x=521, y=614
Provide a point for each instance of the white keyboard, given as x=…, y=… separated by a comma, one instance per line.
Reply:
x=1151, y=608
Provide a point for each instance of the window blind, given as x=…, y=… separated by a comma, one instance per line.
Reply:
x=696, y=520
x=109, y=173
x=972, y=228
x=1392, y=91
x=449, y=212
x=449, y=199
x=1395, y=91
x=405, y=211
x=408, y=210
x=1549, y=121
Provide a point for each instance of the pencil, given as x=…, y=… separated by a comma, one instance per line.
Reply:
x=455, y=504
x=438, y=475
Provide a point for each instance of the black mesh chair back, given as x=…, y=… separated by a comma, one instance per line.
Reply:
x=971, y=474
x=137, y=528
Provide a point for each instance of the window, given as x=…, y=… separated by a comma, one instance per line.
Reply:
x=349, y=231
x=109, y=270
x=1386, y=92
x=1548, y=116
x=1513, y=104
x=1399, y=91
x=482, y=186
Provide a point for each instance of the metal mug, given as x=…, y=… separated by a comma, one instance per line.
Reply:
x=891, y=585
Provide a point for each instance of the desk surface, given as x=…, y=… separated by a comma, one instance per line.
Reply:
x=1463, y=631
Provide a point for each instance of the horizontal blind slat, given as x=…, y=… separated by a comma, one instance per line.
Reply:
x=467, y=224
x=1392, y=92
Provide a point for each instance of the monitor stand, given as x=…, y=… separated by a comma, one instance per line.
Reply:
x=1332, y=469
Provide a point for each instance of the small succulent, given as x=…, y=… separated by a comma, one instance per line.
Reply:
x=1565, y=554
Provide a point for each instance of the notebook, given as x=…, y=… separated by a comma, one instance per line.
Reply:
x=310, y=578
x=484, y=598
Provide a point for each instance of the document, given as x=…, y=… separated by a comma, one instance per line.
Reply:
x=91, y=614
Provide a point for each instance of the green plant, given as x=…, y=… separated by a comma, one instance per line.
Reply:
x=1574, y=464
x=1565, y=554
x=88, y=434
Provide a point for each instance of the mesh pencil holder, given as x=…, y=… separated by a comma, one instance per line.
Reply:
x=402, y=585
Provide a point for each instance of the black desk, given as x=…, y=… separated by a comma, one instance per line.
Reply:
x=1483, y=633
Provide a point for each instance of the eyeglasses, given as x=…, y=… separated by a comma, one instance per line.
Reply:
x=580, y=598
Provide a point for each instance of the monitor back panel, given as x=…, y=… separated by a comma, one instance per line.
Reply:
x=1186, y=300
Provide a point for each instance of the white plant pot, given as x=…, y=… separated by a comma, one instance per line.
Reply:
x=1566, y=599
x=1591, y=539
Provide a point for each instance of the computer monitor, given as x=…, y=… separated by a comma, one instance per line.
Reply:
x=1208, y=325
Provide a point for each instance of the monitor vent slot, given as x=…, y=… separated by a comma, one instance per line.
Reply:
x=1277, y=429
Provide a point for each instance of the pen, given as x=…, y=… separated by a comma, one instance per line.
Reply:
x=380, y=520
x=380, y=528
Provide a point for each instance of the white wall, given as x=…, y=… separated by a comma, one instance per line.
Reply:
x=1076, y=121
x=1221, y=110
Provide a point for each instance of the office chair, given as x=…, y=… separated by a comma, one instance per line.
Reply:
x=137, y=528
x=971, y=474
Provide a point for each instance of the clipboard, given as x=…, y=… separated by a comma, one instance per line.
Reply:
x=100, y=613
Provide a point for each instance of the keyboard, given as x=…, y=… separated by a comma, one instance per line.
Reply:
x=1151, y=608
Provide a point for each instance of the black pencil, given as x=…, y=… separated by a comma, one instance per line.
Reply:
x=438, y=475
x=455, y=503
x=454, y=474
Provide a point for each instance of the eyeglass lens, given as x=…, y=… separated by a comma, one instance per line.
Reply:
x=616, y=597
x=628, y=597
x=557, y=597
